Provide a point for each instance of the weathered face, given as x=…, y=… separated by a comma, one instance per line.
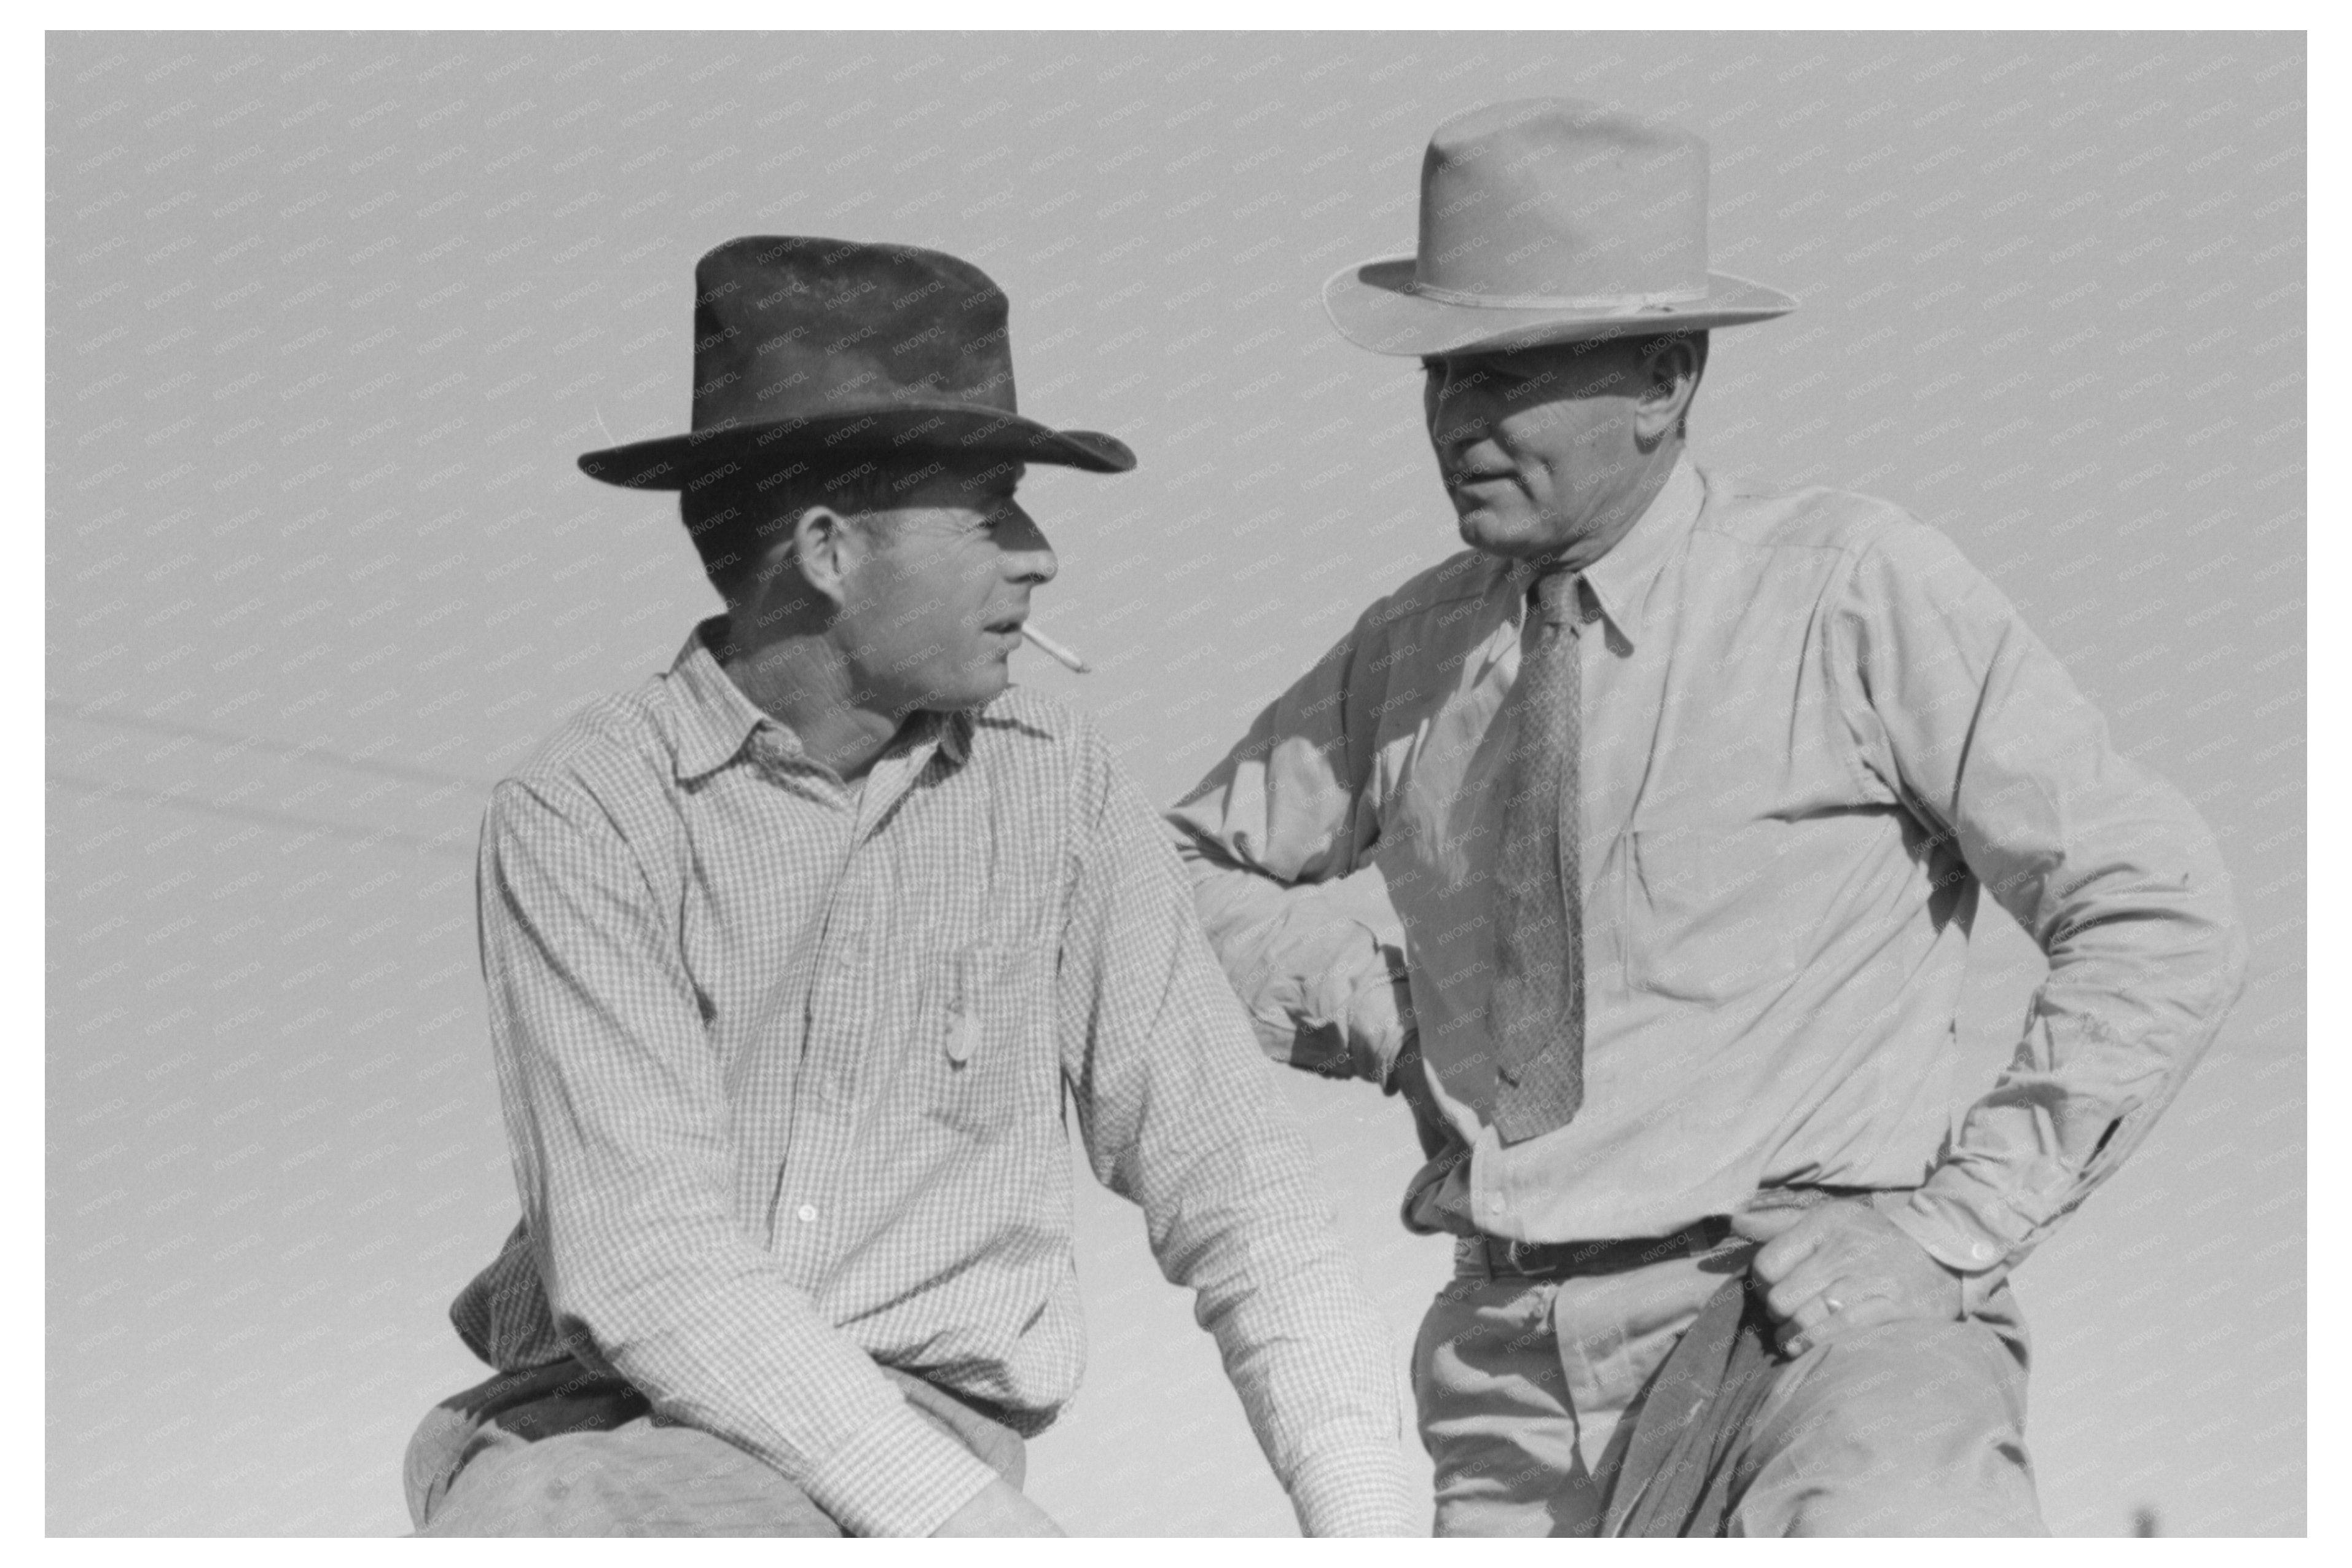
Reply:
x=1537, y=449
x=932, y=609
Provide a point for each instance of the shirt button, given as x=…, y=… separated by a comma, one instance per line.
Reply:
x=1980, y=1252
x=808, y=1214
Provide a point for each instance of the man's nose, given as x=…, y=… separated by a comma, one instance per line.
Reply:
x=1456, y=414
x=1029, y=554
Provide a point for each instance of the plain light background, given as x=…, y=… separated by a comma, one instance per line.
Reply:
x=329, y=317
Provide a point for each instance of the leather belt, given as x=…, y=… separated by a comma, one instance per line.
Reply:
x=1499, y=1258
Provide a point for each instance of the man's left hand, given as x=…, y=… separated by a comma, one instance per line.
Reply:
x=1841, y=1266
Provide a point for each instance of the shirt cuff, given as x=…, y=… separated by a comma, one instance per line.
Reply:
x=1354, y=1490
x=900, y=1476
x=1954, y=1232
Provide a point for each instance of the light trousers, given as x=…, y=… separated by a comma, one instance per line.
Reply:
x=562, y=1451
x=1528, y=1391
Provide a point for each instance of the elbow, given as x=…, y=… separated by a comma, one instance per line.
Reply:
x=2231, y=980
x=2230, y=947
x=2236, y=952
x=2214, y=960
x=608, y=1299
x=2208, y=961
x=591, y=1318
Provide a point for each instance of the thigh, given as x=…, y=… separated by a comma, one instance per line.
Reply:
x=1614, y=1331
x=1914, y=1429
x=1494, y=1415
x=637, y=1480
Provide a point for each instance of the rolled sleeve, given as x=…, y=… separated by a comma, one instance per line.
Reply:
x=618, y=1122
x=1320, y=967
x=1955, y=705
x=1278, y=844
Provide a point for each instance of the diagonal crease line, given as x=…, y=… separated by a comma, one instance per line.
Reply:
x=308, y=753
x=440, y=848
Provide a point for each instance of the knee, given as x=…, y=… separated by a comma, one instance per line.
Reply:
x=551, y=1488
x=1960, y=1482
x=1897, y=1504
x=1902, y=1382
x=1906, y=1430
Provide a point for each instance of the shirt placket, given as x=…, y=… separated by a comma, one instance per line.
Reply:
x=838, y=1046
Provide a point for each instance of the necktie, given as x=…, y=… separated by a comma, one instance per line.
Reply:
x=1537, y=1003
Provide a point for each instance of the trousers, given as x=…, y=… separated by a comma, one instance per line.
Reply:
x=1529, y=1391
x=564, y=1450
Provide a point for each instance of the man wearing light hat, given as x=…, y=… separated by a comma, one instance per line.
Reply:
x=797, y=954
x=1638, y=847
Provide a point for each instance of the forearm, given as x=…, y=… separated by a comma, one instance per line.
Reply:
x=1183, y=1117
x=2145, y=958
x=706, y=1326
x=1319, y=966
x=1975, y=728
x=1302, y=1344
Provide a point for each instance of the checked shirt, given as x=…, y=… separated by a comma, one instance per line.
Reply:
x=786, y=1065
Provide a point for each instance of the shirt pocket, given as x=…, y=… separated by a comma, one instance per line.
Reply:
x=1705, y=918
x=986, y=1037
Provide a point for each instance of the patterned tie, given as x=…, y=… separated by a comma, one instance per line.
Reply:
x=1537, y=1007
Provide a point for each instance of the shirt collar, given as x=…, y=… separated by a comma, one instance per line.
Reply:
x=1619, y=581
x=712, y=719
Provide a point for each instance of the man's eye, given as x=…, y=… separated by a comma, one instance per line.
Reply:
x=1461, y=377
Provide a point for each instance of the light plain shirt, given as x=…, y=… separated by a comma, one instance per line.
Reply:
x=1814, y=734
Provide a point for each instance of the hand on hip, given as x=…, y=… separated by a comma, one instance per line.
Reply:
x=1840, y=1266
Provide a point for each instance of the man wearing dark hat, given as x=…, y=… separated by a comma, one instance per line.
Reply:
x=1639, y=847
x=796, y=954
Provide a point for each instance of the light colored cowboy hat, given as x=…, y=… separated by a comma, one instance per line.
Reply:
x=1547, y=220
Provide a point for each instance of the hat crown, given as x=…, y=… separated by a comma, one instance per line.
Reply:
x=1553, y=201
x=801, y=327
x=805, y=345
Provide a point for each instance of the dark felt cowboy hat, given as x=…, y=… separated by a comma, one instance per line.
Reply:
x=1546, y=220
x=803, y=344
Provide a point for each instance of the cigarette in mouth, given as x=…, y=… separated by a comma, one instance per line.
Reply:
x=1054, y=650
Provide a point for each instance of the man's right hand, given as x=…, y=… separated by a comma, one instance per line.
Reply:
x=999, y=1508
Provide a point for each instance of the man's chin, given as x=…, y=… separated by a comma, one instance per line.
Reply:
x=1483, y=530
x=979, y=687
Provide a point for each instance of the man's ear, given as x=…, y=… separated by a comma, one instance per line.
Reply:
x=824, y=548
x=1669, y=382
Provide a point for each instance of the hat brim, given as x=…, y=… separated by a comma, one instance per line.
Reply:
x=674, y=462
x=1374, y=307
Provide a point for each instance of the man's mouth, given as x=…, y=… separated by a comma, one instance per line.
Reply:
x=1461, y=478
x=1006, y=626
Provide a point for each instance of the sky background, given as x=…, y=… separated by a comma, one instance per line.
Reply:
x=330, y=315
